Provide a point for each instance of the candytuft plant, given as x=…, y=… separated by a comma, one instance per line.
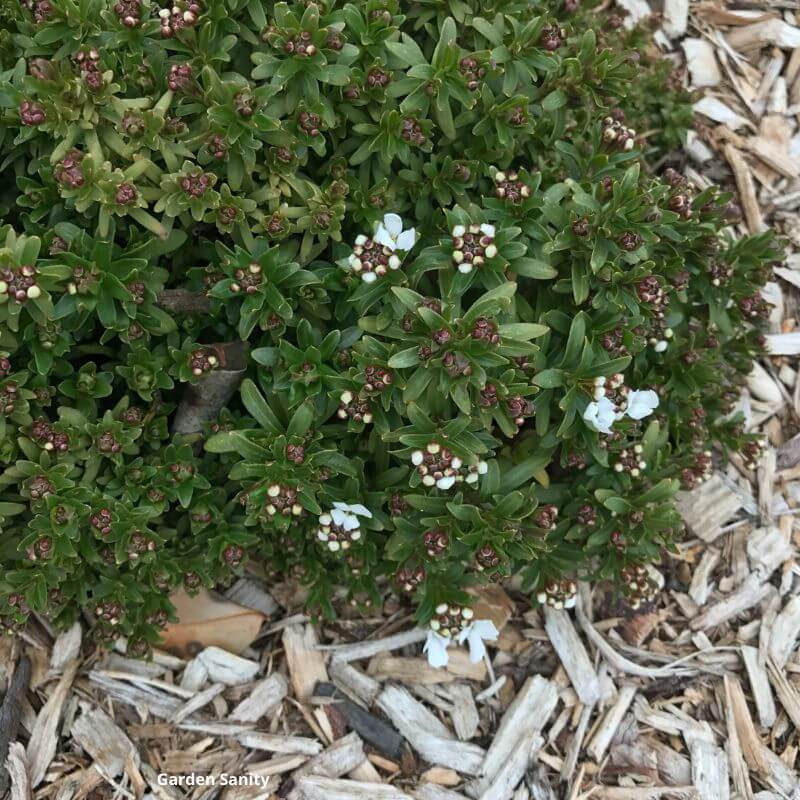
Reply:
x=374, y=296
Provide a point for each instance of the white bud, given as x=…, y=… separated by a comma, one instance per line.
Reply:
x=417, y=457
x=458, y=231
x=491, y=251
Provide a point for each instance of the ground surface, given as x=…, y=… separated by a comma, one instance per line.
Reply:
x=697, y=697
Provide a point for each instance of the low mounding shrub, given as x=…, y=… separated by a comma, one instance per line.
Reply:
x=378, y=295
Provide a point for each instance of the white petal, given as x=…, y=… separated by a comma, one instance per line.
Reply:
x=350, y=522
x=485, y=629
x=600, y=415
x=341, y=506
x=339, y=516
x=383, y=237
x=641, y=404
x=477, y=649
x=407, y=239
x=488, y=230
x=393, y=223
x=436, y=648
x=357, y=508
x=445, y=483
x=475, y=634
x=369, y=277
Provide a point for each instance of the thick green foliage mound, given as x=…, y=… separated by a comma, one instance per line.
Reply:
x=372, y=295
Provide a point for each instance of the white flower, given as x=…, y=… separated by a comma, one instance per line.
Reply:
x=600, y=415
x=474, y=634
x=641, y=403
x=436, y=649
x=346, y=515
x=390, y=234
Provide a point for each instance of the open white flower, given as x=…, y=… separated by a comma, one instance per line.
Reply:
x=641, y=403
x=340, y=527
x=372, y=258
x=346, y=515
x=474, y=634
x=480, y=631
x=390, y=234
x=600, y=415
x=436, y=649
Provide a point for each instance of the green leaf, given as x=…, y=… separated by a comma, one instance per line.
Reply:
x=533, y=268
x=554, y=100
x=523, y=472
x=405, y=358
x=406, y=51
x=258, y=407
x=302, y=419
x=522, y=331
x=549, y=378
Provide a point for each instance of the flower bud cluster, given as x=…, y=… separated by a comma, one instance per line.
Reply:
x=559, y=593
x=473, y=245
x=450, y=620
x=439, y=467
x=19, y=284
